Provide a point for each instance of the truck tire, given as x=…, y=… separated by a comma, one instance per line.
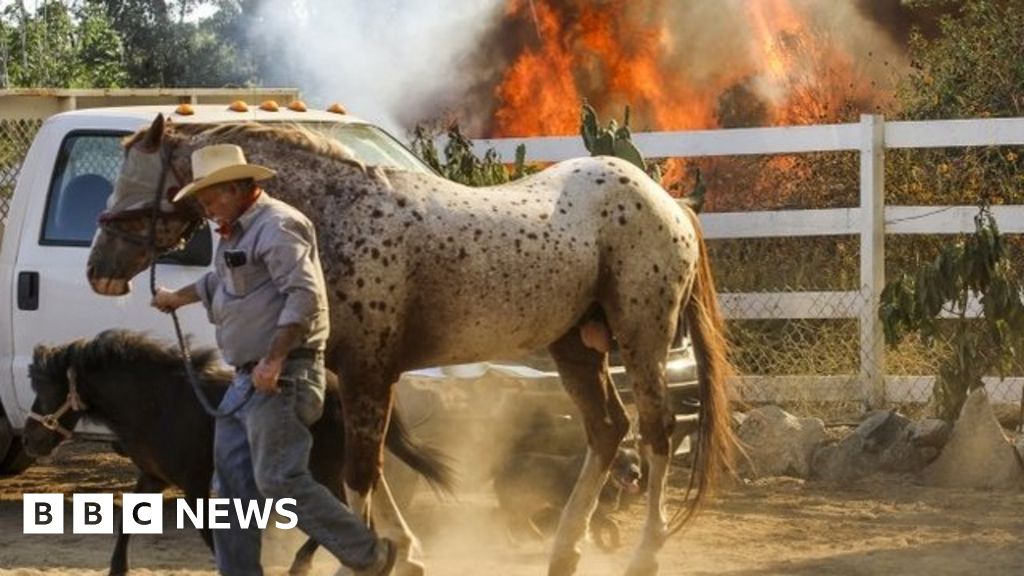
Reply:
x=6, y=434
x=17, y=460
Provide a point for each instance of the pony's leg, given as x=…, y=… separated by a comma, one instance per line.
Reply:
x=585, y=376
x=196, y=493
x=119, y=559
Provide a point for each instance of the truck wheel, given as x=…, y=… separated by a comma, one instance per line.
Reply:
x=17, y=460
x=6, y=435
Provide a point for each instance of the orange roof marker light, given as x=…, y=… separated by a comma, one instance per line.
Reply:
x=297, y=106
x=184, y=109
x=238, y=106
x=269, y=106
x=337, y=108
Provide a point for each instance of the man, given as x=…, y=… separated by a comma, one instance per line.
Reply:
x=266, y=297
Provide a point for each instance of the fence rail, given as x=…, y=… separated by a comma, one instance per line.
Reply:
x=871, y=221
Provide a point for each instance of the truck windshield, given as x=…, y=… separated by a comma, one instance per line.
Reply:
x=370, y=145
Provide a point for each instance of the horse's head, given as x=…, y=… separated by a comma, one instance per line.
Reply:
x=140, y=222
x=58, y=405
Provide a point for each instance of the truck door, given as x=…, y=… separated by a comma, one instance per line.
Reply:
x=53, y=301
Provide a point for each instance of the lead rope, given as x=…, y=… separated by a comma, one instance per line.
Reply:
x=186, y=357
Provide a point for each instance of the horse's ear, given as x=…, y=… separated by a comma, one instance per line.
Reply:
x=154, y=134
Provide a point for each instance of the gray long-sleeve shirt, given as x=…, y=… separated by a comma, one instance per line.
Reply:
x=266, y=274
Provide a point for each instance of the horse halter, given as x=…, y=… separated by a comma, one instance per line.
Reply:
x=73, y=403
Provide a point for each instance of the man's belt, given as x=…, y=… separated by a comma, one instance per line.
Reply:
x=296, y=354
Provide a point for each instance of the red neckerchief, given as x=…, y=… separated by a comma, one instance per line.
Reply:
x=226, y=229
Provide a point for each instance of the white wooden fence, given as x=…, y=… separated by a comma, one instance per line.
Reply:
x=871, y=221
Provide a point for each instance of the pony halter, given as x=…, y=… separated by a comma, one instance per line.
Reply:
x=72, y=403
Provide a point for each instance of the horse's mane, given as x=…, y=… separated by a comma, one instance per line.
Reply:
x=289, y=133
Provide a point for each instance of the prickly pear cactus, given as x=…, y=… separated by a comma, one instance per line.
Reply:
x=614, y=140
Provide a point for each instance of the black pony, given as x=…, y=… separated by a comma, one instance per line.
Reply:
x=138, y=388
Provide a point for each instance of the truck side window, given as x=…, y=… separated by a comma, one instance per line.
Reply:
x=87, y=166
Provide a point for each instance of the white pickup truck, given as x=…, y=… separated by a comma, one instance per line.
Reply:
x=62, y=187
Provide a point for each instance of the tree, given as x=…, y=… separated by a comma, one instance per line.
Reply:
x=40, y=46
x=978, y=265
x=973, y=68
x=100, y=52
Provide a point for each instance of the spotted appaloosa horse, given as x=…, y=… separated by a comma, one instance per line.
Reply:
x=424, y=272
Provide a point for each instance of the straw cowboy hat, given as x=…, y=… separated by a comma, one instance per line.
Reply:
x=220, y=163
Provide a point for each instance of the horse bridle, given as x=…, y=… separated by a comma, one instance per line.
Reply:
x=150, y=243
x=72, y=403
x=153, y=213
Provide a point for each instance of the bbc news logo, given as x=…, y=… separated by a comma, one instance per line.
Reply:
x=144, y=513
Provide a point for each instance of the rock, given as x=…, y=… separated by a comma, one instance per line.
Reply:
x=883, y=442
x=843, y=461
x=1008, y=414
x=978, y=455
x=880, y=429
x=930, y=432
x=778, y=443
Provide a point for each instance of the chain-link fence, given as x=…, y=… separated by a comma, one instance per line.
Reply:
x=15, y=138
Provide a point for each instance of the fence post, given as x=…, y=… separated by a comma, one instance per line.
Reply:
x=872, y=258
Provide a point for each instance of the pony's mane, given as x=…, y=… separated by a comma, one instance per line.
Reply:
x=112, y=347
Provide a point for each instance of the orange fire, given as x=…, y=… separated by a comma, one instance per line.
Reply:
x=616, y=53
x=771, y=63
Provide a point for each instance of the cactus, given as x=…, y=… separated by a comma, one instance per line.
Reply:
x=615, y=140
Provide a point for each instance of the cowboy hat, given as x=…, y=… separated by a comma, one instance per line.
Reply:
x=220, y=163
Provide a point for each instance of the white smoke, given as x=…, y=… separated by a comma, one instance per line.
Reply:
x=379, y=59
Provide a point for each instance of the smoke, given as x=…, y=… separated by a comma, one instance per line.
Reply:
x=400, y=62
x=388, y=61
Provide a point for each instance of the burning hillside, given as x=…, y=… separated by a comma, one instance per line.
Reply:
x=680, y=65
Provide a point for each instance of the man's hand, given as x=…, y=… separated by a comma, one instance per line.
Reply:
x=166, y=301
x=266, y=374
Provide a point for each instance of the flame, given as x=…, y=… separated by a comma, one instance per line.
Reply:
x=615, y=53
x=533, y=99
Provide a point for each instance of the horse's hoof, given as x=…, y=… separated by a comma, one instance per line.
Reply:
x=643, y=567
x=564, y=565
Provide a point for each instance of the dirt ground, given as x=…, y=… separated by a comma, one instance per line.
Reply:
x=883, y=525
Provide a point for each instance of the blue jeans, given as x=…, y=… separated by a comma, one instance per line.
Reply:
x=262, y=451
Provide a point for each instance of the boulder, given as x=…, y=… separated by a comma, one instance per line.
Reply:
x=978, y=454
x=778, y=443
x=882, y=442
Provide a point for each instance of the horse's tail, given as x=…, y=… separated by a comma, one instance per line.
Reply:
x=717, y=443
x=431, y=463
